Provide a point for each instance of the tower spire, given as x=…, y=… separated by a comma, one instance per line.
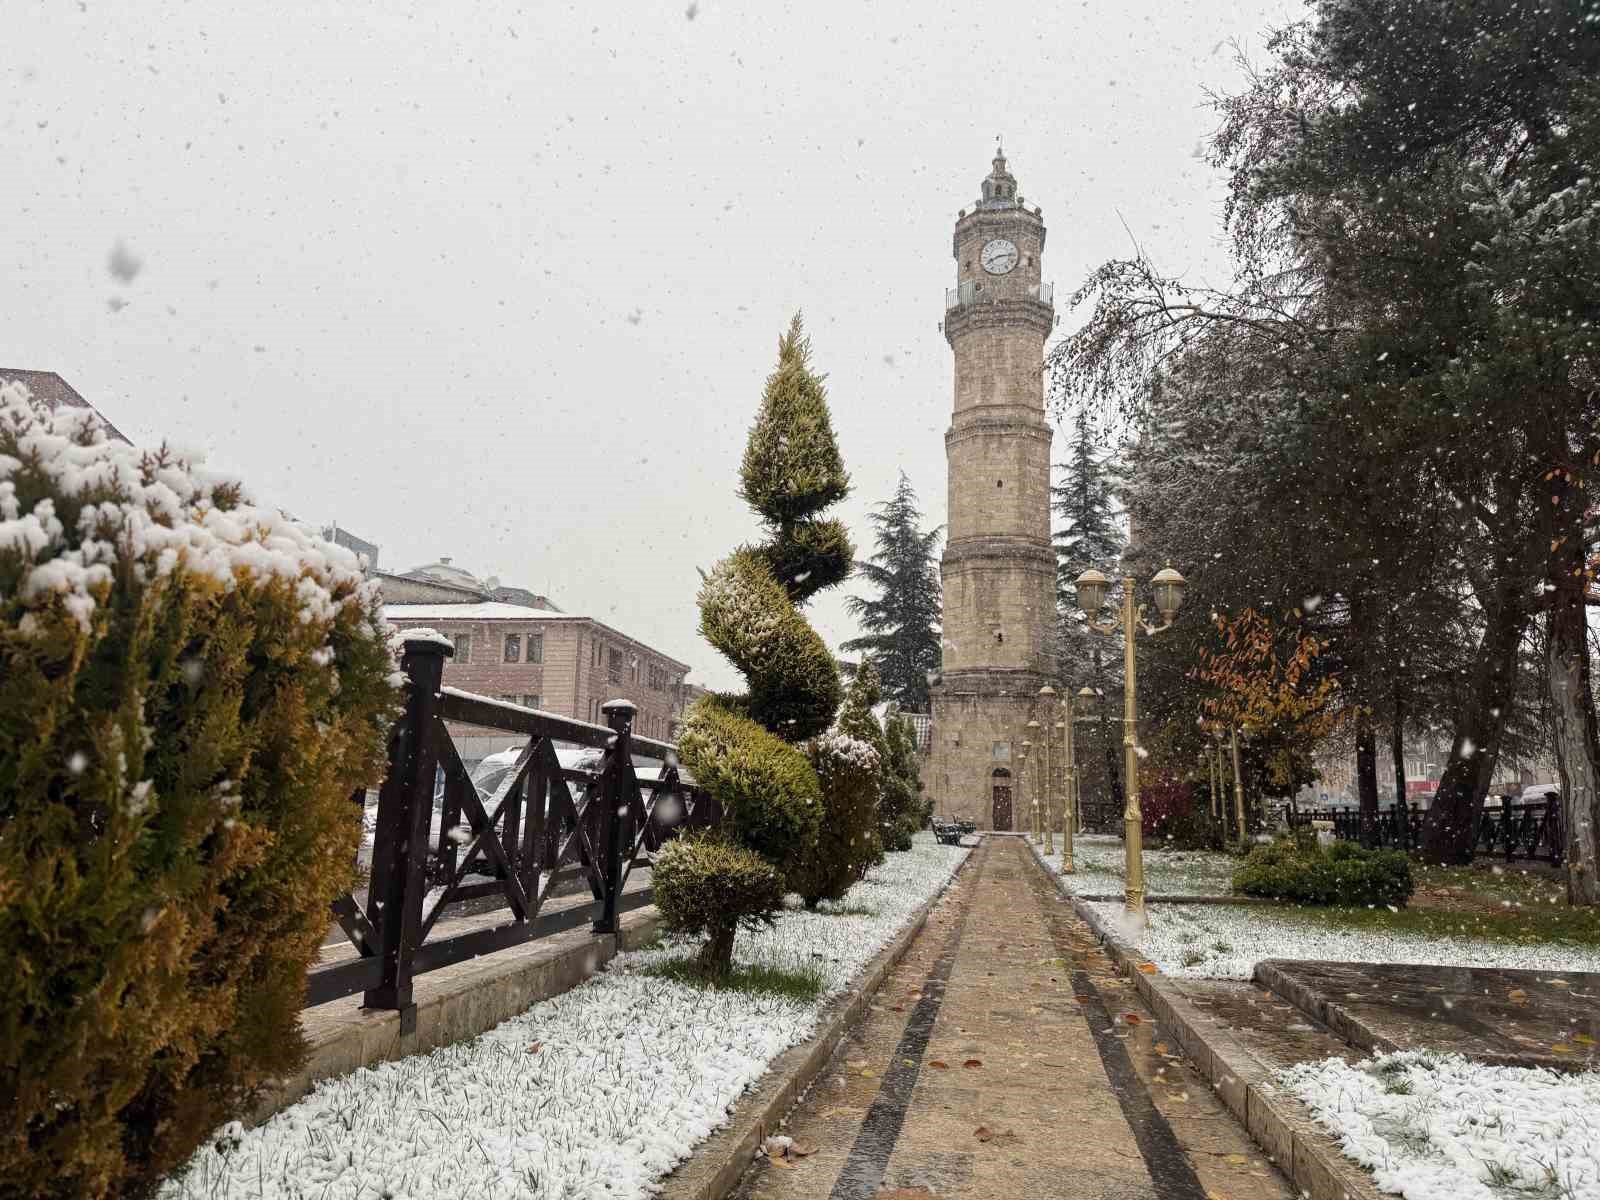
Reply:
x=1001, y=186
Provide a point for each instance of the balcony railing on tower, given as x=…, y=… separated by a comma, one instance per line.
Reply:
x=971, y=292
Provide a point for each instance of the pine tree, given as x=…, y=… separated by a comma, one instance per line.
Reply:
x=902, y=624
x=1087, y=534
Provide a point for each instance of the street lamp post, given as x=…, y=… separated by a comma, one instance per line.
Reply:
x=1022, y=774
x=1057, y=714
x=1041, y=786
x=1168, y=586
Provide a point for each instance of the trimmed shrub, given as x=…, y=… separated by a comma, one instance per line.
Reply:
x=771, y=799
x=1342, y=873
x=742, y=748
x=847, y=842
x=191, y=689
x=706, y=884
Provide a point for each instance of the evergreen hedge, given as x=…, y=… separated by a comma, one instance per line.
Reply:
x=1306, y=872
x=191, y=689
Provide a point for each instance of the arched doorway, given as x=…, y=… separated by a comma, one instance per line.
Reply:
x=1001, y=812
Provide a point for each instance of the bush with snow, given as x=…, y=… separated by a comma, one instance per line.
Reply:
x=1304, y=871
x=191, y=688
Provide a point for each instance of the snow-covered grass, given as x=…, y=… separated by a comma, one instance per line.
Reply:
x=598, y=1092
x=1222, y=941
x=1439, y=1127
x=1098, y=869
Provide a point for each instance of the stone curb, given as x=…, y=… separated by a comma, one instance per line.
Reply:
x=1306, y=1155
x=714, y=1169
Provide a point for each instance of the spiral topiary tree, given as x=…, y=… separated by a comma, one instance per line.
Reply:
x=746, y=749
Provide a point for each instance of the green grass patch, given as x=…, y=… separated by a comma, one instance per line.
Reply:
x=803, y=984
x=846, y=910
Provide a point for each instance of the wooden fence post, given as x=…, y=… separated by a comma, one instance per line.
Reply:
x=1507, y=828
x=618, y=808
x=400, y=842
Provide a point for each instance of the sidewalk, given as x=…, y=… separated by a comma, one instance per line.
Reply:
x=1006, y=1058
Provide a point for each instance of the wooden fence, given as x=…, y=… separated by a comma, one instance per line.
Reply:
x=1505, y=827
x=544, y=825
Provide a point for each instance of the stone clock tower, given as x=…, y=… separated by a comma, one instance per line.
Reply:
x=999, y=566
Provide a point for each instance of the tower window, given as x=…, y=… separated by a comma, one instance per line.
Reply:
x=1000, y=483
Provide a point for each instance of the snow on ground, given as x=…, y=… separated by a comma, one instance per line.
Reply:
x=1225, y=941
x=599, y=1091
x=1439, y=1127
x=1097, y=861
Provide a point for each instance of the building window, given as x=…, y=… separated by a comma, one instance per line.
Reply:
x=463, y=644
x=507, y=699
x=1000, y=752
x=532, y=702
x=513, y=647
x=614, y=670
x=535, y=648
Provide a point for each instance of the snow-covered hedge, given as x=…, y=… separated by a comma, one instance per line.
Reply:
x=191, y=688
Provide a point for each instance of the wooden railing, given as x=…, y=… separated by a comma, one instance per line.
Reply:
x=1505, y=827
x=543, y=826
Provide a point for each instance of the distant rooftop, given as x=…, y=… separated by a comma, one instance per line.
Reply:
x=486, y=610
x=56, y=391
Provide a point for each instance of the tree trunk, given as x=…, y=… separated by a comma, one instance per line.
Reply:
x=1397, y=748
x=715, y=960
x=1113, y=776
x=1573, y=731
x=1450, y=827
x=1367, y=777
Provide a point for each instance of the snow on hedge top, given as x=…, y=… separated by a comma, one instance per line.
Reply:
x=150, y=509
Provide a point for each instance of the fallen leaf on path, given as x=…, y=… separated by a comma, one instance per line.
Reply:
x=1583, y=1039
x=1160, y=1047
x=868, y=1073
x=1517, y=996
x=1238, y=1160
x=973, y=1062
x=779, y=1160
x=1147, y=968
x=983, y=1133
x=940, y=1063
x=1559, y=983
x=535, y=1048
x=1561, y=1048
x=1131, y=1018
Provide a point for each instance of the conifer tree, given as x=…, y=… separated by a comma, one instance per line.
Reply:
x=746, y=749
x=850, y=760
x=1086, y=533
x=903, y=807
x=902, y=624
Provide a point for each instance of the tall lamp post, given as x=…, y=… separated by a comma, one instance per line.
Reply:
x=1168, y=586
x=1043, y=774
x=1022, y=774
x=1058, y=723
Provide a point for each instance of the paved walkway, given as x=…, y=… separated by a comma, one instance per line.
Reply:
x=1004, y=1058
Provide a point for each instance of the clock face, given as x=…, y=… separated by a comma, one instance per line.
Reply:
x=998, y=257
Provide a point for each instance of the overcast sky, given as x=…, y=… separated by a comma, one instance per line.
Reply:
x=503, y=281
